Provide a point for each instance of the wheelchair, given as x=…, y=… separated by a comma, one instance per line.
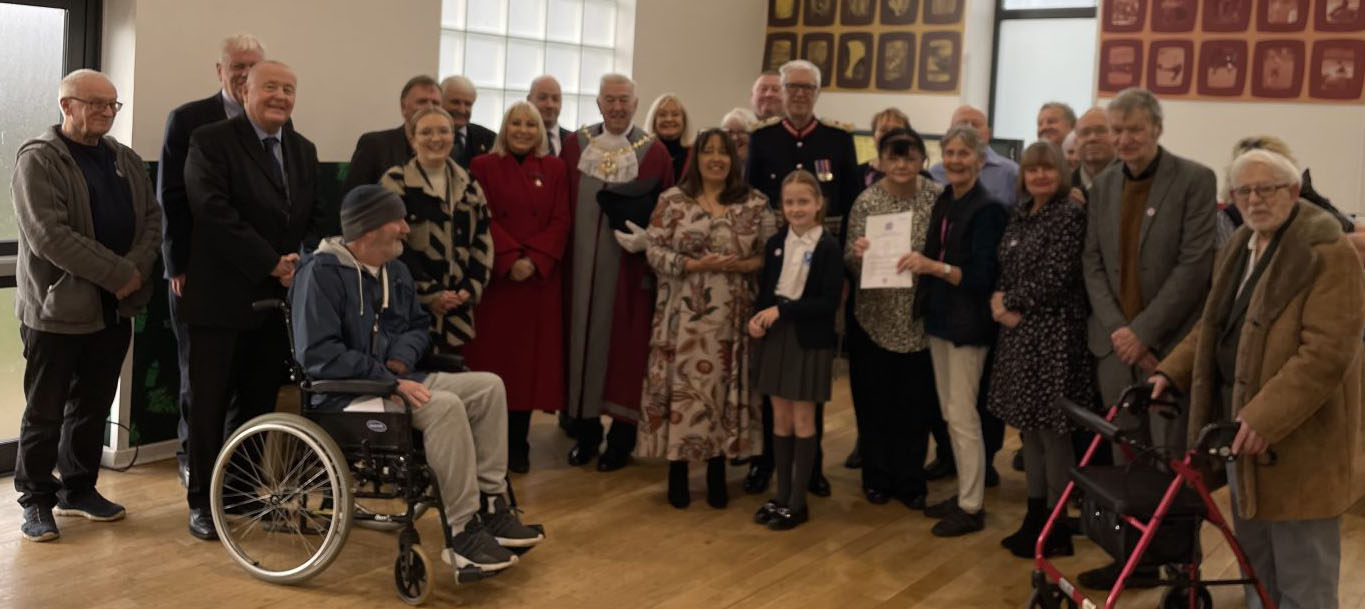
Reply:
x=285, y=486
x=1146, y=514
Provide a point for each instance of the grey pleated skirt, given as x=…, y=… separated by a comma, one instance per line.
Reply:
x=783, y=369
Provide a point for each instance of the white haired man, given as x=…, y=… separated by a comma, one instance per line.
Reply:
x=616, y=172
x=89, y=229
x=237, y=55
x=471, y=140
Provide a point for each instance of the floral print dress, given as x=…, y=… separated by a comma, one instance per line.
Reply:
x=697, y=402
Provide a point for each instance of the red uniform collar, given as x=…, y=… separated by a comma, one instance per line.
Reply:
x=798, y=134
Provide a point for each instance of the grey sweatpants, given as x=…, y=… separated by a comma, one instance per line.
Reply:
x=464, y=430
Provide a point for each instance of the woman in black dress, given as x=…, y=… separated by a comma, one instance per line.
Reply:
x=1040, y=304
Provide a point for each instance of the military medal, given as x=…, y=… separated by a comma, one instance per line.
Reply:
x=823, y=171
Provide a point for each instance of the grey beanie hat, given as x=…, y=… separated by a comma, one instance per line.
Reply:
x=368, y=207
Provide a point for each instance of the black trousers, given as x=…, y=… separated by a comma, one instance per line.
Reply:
x=69, y=386
x=895, y=398
x=518, y=426
x=235, y=375
x=182, y=358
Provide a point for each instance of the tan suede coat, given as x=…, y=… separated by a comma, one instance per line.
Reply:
x=1298, y=370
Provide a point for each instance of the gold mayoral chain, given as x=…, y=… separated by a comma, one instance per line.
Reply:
x=608, y=164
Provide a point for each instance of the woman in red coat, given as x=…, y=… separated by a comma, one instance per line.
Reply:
x=519, y=322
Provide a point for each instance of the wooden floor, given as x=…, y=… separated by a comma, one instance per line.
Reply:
x=613, y=543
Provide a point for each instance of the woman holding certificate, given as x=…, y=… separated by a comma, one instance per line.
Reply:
x=706, y=242
x=957, y=272
x=1041, y=354
x=890, y=373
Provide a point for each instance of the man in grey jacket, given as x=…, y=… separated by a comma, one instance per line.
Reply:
x=89, y=233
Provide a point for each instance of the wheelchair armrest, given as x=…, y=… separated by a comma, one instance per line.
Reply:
x=375, y=387
x=442, y=362
x=1088, y=419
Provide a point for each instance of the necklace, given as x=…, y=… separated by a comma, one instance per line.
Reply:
x=608, y=164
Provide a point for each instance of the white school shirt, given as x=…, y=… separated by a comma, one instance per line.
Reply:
x=797, y=251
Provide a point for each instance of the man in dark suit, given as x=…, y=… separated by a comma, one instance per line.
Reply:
x=252, y=188
x=377, y=151
x=1148, y=256
x=545, y=95
x=240, y=54
x=457, y=97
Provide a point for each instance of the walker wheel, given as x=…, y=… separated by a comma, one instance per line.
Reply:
x=412, y=575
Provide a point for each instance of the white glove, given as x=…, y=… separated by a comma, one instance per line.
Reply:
x=634, y=241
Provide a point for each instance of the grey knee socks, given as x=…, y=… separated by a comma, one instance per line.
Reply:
x=803, y=461
x=782, y=464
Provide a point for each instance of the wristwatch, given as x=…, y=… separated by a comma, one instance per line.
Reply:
x=947, y=269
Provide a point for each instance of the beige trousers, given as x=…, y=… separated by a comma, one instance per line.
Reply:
x=957, y=375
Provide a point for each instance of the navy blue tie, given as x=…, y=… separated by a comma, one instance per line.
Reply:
x=270, y=144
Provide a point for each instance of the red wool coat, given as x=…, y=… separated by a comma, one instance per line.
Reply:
x=519, y=327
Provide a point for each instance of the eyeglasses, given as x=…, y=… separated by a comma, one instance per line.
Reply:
x=797, y=87
x=1263, y=191
x=100, y=105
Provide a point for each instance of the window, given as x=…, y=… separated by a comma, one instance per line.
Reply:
x=41, y=40
x=501, y=45
x=1044, y=51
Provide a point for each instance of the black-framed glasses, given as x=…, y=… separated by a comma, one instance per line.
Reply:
x=101, y=105
x=1263, y=191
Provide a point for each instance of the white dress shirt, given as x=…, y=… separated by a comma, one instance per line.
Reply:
x=797, y=251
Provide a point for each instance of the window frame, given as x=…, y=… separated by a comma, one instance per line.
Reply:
x=1002, y=15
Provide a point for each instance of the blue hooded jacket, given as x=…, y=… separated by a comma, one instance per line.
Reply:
x=335, y=302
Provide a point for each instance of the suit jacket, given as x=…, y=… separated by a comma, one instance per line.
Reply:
x=478, y=140
x=813, y=313
x=170, y=178
x=244, y=219
x=564, y=135
x=1176, y=249
x=375, y=153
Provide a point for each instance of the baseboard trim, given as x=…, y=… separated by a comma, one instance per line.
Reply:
x=145, y=454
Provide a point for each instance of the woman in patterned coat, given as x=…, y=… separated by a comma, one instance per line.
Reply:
x=705, y=244
x=1041, y=355
x=450, y=248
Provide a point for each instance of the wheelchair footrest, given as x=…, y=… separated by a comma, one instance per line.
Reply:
x=469, y=575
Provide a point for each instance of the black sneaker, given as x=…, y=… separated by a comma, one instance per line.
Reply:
x=504, y=525
x=89, y=505
x=39, y=524
x=942, y=508
x=475, y=547
x=959, y=522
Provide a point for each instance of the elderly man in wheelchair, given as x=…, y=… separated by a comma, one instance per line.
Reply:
x=356, y=315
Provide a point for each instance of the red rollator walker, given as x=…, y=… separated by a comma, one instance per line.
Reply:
x=1146, y=514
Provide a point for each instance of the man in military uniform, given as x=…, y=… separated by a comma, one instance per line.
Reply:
x=797, y=140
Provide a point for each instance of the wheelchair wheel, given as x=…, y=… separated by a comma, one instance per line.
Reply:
x=412, y=575
x=1177, y=597
x=281, y=498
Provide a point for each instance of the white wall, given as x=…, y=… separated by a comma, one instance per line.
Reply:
x=351, y=57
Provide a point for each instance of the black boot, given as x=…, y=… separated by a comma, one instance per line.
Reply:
x=716, y=494
x=1059, y=540
x=1022, y=542
x=678, y=493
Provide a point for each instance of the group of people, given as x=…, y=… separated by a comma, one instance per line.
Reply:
x=686, y=282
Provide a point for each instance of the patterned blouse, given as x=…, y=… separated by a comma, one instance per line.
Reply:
x=887, y=314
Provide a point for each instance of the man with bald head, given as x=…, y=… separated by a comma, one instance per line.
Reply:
x=89, y=231
x=471, y=140
x=237, y=55
x=616, y=172
x=545, y=95
x=1094, y=148
x=766, y=97
x=1000, y=176
x=252, y=188
x=378, y=151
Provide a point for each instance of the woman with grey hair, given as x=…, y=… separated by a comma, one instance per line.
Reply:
x=1278, y=350
x=738, y=124
x=958, y=270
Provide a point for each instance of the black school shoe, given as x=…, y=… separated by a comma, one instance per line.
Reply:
x=767, y=511
x=786, y=519
x=760, y=474
x=819, y=484
x=941, y=509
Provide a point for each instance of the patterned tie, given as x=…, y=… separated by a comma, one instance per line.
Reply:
x=270, y=144
x=459, y=146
